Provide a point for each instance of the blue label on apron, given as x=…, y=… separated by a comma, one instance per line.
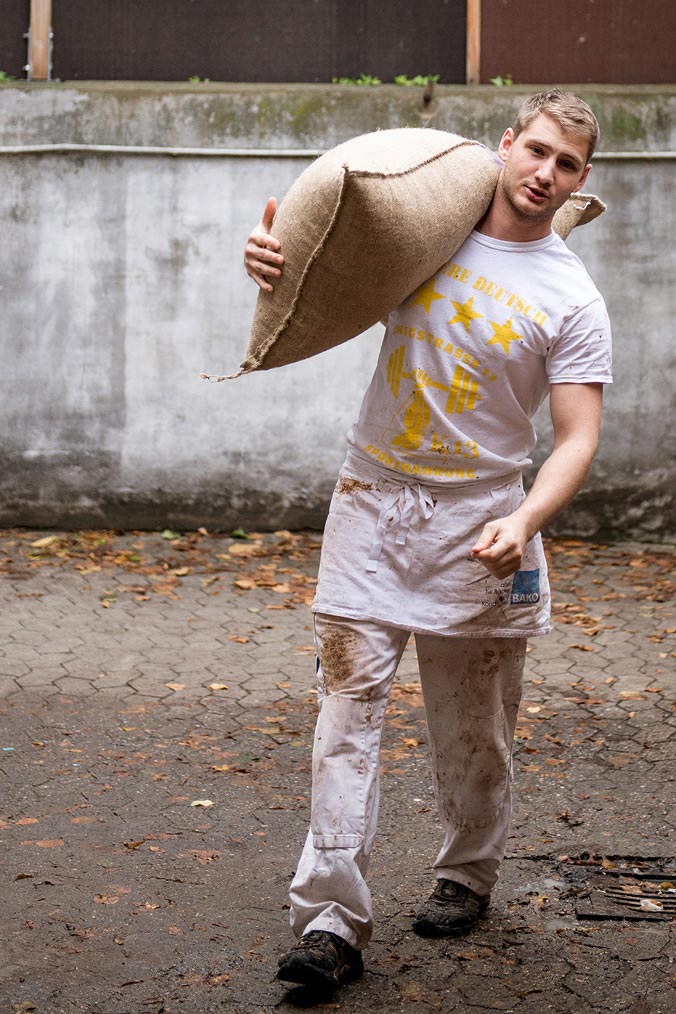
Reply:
x=525, y=588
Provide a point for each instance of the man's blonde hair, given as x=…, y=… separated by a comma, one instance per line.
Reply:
x=572, y=115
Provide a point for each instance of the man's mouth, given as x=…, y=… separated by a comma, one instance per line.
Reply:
x=536, y=194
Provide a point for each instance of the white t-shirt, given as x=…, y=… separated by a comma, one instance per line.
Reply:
x=469, y=357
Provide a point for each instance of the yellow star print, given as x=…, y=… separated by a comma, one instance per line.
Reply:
x=425, y=296
x=504, y=335
x=464, y=313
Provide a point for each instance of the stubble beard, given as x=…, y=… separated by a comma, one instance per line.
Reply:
x=524, y=213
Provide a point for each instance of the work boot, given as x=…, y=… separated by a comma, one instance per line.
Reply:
x=321, y=960
x=451, y=909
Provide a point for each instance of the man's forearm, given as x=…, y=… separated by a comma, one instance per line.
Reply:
x=576, y=416
x=559, y=479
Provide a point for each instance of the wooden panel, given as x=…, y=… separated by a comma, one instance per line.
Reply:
x=255, y=40
x=14, y=18
x=39, y=41
x=473, y=75
x=581, y=41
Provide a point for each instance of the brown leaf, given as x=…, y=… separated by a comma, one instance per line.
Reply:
x=48, y=540
x=46, y=843
x=218, y=980
x=621, y=760
x=238, y=640
x=203, y=856
x=244, y=549
x=106, y=899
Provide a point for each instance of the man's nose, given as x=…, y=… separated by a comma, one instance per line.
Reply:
x=545, y=171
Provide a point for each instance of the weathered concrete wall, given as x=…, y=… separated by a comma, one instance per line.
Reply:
x=121, y=280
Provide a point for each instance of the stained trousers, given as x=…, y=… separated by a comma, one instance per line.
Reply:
x=471, y=689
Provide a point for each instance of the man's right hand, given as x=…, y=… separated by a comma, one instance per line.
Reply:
x=262, y=258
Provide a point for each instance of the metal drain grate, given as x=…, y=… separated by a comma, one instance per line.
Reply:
x=632, y=899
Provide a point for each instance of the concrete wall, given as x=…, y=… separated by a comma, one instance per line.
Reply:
x=121, y=280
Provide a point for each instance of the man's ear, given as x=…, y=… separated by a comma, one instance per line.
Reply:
x=583, y=180
x=506, y=142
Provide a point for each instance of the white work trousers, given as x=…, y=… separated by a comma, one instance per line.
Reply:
x=471, y=689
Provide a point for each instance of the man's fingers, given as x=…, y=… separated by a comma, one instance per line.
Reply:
x=485, y=540
x=259, y=244
x=262, y=267
x=269, y=214
x=261, y=281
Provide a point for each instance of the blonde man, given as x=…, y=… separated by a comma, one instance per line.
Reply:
x=437, y=537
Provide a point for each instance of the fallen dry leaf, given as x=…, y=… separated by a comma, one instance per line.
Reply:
x=46, y=843
x=46, y=541
x=203, y=802
x=244, y=549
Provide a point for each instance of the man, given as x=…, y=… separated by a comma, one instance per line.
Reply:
x=429, y=531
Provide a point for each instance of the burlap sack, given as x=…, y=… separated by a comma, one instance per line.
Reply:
x=578, y=210
x=362, y=228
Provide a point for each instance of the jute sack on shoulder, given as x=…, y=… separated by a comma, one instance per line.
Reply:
x=362, y=228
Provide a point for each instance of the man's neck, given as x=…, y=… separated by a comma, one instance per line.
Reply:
x=503, y=222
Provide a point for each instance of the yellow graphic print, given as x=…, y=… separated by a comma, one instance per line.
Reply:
x=463, y=395
x=465, y=313
x=425, y=296
x=504, y=334
x=416, y=421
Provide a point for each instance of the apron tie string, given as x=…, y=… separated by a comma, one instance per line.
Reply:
x=398, y=511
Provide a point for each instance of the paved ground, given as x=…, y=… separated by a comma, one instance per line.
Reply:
x=155, y=723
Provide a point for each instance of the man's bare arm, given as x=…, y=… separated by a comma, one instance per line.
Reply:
x=262, y=258
x=576, y=418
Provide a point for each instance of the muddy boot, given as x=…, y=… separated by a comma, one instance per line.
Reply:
x=451, y=909
x=321, y=960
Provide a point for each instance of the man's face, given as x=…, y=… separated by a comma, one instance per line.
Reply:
x=543, y=167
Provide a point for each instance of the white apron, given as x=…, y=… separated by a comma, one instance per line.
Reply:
x=398, y=552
